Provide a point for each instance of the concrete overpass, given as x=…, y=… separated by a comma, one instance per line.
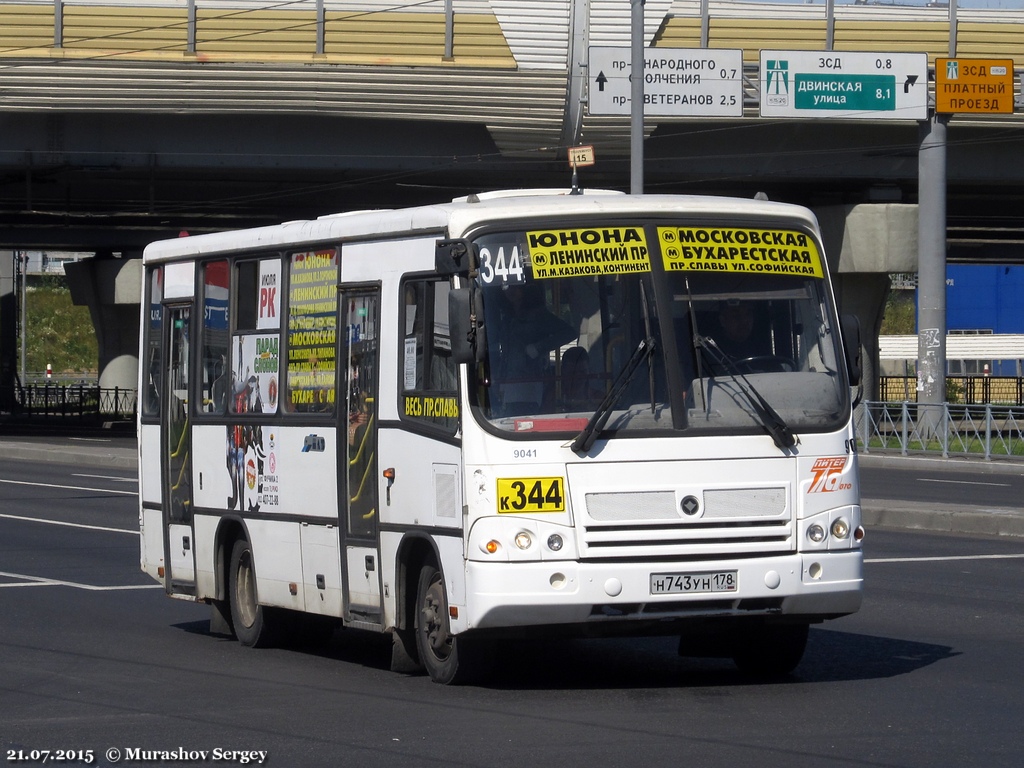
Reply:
x=124, y=121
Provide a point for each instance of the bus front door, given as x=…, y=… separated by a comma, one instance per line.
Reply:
x=179, y=555
x=360, y=352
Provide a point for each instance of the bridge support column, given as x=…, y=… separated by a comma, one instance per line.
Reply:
x=8, y=333
x=112, y=289
x=865, y=244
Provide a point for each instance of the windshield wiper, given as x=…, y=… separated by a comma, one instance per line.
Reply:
x=774, y=424
x=585, y=439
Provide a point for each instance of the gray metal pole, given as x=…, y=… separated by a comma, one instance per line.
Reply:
x=931, y=262
x=636, y=111
x=23, y=270
x=830, y=24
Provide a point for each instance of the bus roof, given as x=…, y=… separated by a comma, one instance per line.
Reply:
x=457, y=218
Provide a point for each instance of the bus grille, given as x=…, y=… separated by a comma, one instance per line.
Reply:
x=725, y=523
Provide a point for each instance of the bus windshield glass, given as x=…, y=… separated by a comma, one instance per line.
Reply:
x=657, y=329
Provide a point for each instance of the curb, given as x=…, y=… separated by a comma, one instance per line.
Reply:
x=92, y=453
x=941, y=518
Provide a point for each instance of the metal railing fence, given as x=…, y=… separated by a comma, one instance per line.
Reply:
x=970, y=390
x=74, y=401
x=949, y=429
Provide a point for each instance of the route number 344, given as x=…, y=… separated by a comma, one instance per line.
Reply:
x=531, y=494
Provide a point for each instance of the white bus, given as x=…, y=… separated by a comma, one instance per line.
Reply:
x=519, y=413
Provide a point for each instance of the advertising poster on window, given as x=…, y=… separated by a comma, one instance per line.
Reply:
x=256, y=384
x=269, y=300
x=312, y=330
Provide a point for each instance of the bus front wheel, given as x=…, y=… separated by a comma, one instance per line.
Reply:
x=449, y=659
x=251, y=621
x=772, y=650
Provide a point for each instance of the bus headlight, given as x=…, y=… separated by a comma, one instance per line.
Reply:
x=555, y=542
x=524, y=540
x=840, y=528
x=816, y=533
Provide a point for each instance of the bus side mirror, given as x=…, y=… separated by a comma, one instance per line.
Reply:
x=451, y=257
x=465, y=316
x=849, y=327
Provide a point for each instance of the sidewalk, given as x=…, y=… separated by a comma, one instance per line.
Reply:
x=89, y=449
x=119, y=451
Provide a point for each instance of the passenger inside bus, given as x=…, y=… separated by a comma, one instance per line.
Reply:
x=528, y=333
x=736, y=320
x=579, y=392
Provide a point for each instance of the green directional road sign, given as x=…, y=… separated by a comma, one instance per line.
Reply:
x=860, y=92
x=844, y=84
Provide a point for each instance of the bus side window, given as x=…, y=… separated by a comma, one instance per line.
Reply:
x=214, y=374
x=427, y=370
x=311, y=332
x=154, y=328
x=360, y=348
x=256, y=343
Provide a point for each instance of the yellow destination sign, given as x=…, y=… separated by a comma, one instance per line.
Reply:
x=598, y=251
x=725, y=249
x=975, y=86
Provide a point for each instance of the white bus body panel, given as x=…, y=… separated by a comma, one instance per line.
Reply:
x=149, y=464
x=298, y=477
x=321, y=557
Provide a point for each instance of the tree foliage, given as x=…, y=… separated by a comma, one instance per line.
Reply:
x=57, y=332
x=900, y=316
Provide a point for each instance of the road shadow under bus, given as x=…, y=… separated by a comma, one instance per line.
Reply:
x=644, y=662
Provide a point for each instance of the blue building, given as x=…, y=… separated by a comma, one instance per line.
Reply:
x=985, y=299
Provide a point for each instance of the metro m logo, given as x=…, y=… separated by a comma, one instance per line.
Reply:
x=827, y=474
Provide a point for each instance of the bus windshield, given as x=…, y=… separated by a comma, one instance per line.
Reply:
x=645, y=342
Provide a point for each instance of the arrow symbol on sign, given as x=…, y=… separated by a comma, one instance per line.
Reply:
x=601, y=80
x=911, y=79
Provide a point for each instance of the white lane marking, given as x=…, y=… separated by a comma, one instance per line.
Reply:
x=69, y=525
x=38, y=581
x=942, y=559
x=69, y=487
x=960, y=482
x=115, y=478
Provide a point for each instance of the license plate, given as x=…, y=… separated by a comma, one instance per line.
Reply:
x=689, y=583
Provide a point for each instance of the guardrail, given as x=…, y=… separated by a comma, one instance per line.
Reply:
x=950, y=429
x=74, y=401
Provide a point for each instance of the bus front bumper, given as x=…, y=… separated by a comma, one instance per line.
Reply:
x=809, y=587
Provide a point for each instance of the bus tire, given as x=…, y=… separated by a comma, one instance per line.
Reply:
x=252, y=622
x=772, y=650
x=449, y=659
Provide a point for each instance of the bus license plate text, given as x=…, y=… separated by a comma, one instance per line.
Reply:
x=712, y=581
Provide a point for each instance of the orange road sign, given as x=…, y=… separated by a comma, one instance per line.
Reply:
x=975, y=86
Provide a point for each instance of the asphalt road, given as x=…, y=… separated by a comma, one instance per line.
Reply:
x=94, y=657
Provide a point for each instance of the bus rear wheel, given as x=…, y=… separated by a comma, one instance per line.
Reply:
x=449, y=659
x=252, y=622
